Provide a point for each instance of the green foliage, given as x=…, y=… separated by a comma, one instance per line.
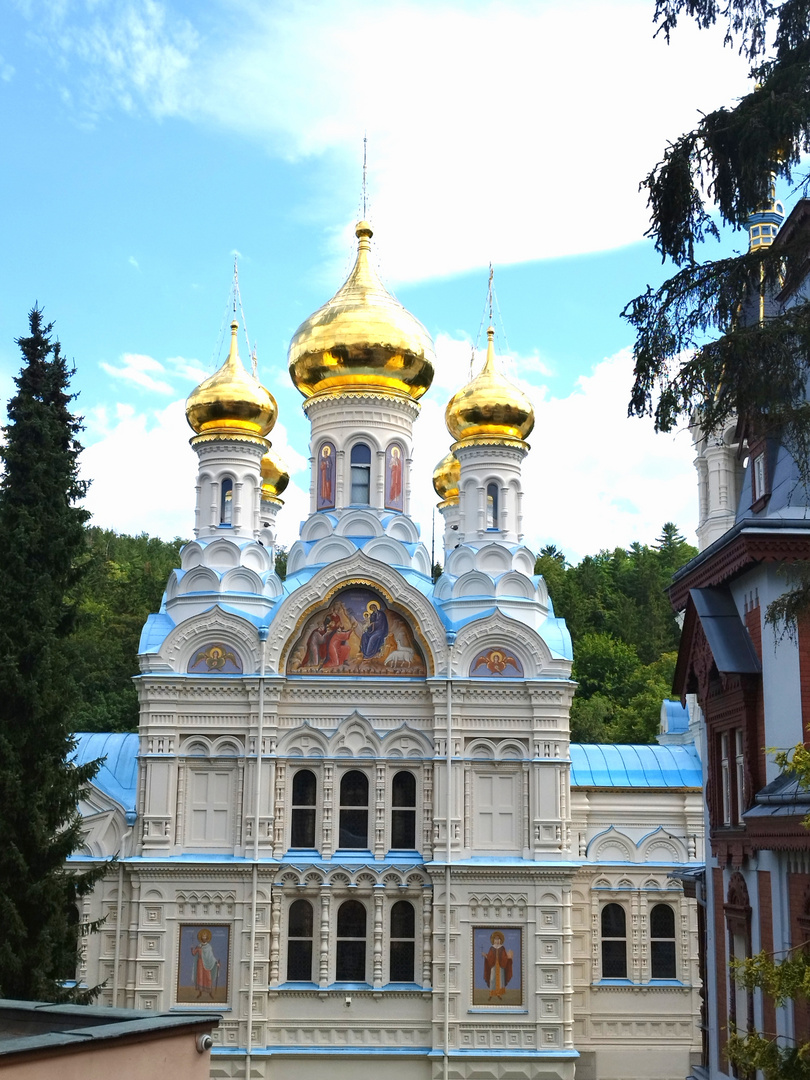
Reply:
x=692, y=350
x=123, y=581
x=281, y=562
x=42, y=538
x=624, y=632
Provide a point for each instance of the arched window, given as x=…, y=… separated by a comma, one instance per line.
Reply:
x=402, y=942
x=299, y=942
x=492, y=506
x=350, y=965
x=302, y=826
x=403, y=813
x=614, y=942
x=662, y=942
x=226, y=502
x=353, y=832
x=361, y=474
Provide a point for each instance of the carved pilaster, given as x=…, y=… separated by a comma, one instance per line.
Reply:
x=427, y=813
x=275, y=935
x=327, y=824
x=427, y=952
x=379, y=896
x=323, y=958
x=379, y=813
x=278, y=814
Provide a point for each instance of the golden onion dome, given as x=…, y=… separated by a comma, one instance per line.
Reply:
x=362, y=339
x=446, y=477
x=489, y=406
x=275, y=475
x=231, y=401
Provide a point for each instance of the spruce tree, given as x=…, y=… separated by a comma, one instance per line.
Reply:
x=692, y=350
x=41, y=540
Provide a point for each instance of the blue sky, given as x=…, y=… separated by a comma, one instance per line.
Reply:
x=146, y=141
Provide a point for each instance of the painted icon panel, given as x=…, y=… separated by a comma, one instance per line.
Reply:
x=357, y=634
x=495, y=663
x=203, y=963
x=215, y=659
x=394, y=477
x=326, y=477
x=497, y=966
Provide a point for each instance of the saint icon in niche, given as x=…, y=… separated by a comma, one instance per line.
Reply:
x=498, y=966
x=393, y=477
x=326, y=477
x=203, y=968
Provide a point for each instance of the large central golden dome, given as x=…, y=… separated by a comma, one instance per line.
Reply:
x=489, y=407
x=362, y=339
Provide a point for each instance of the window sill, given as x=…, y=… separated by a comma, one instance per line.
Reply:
x=651, y=984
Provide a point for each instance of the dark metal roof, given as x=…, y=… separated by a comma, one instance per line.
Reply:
x=728, y=638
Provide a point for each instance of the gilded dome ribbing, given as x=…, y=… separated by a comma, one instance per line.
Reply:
x=362, y=339
x=446, y=477
x=231, y=401
x=275, y=475
x=489, y=406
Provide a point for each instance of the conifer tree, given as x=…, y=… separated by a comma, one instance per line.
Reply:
x=41, y=540
x=692, y=350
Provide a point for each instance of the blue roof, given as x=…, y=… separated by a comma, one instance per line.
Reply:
x=616, y=766
x=677, y=717
x=118, y=775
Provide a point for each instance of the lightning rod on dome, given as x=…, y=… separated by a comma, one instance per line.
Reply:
x=365, y=175
x=237, y=296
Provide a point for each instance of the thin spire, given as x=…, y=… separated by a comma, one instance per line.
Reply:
x=489, y=292
x=365, y=175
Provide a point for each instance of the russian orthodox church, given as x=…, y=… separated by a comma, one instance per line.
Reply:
x=352, y=820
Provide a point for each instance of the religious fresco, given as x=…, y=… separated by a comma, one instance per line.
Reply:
x=357, y=634
x=497, y=966
x=325, y=494
x=497, y=663
x=215, y=659
x=394, y=477
x=202, y=967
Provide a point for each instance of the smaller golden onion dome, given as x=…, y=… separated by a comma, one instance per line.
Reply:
x=362, y=339
x=489, y=406
x=230, y=401
x=275, y=475
x=446, y=477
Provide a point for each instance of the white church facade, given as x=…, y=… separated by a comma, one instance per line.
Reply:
x=352, y=819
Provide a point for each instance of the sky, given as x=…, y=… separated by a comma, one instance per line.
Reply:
x=148, y=143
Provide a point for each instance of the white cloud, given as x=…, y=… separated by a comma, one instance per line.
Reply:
x=497, y=130
x=133, y=262
x=593, y=478
x=137, y=369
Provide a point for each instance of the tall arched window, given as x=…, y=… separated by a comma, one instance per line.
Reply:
x=361, y=474
x=302, y=825
x=662, y=942
x=614, y=942
x=492, y=506
x=403, y=812
x=403, y=943
x=353, y=831
x=226, y=502
x=299, y=942
x=350, y=961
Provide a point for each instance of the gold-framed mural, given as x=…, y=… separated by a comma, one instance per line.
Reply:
x=497, y=966
x=357, y=633
x=203, y=963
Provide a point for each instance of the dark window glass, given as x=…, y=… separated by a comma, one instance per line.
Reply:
x=403, y=814
x=302, y=825
x=662, y=942
x=226, y=507
x=360, y=474
x=351, y=942
x=353, y=831
x=492, y=506
x=299, y=942
x=614, y=944
x=402, y=942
